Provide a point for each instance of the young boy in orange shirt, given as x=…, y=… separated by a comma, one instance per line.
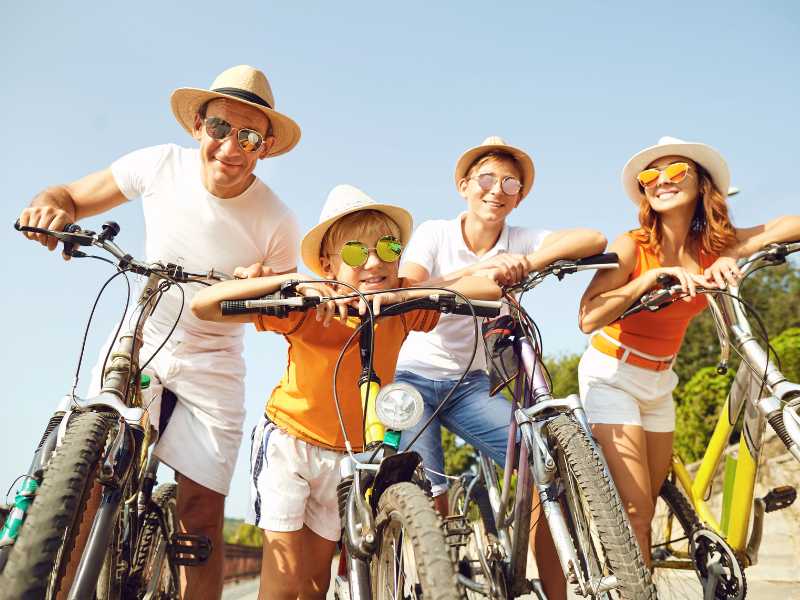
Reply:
x=298, y=444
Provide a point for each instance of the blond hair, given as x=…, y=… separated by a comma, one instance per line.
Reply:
x=357, y=225
x=496, y=154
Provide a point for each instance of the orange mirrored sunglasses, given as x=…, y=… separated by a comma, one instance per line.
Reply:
x=675, y=173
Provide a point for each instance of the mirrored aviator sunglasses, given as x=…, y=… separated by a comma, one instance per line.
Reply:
x=249, y=139
x=355, y=253
x=675, y=173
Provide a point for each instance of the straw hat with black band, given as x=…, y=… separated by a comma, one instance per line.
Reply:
x=702, y=154
x=497, y=144
x=244, y=84
x=343, y=200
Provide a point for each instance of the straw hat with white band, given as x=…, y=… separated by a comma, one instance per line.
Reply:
x=343, y=200
x=702, y=154
x=497, y=144
x=244, y=84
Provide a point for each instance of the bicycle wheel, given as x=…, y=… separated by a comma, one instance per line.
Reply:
x=56, y=518
x=153, y=574
x=412, y=560
x=598, y=524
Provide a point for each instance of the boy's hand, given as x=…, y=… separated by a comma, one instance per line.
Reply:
x=326, y=310
x=504, y=269
x=380, y=299
x=254, y=270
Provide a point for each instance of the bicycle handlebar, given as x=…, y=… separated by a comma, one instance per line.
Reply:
x=73, y=235
x=560, y=268
x=278, y=305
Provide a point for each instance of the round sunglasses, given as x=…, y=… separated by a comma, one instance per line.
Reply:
x=355, y=253
x=511, y=186
x=674, y=172
x=218, y=129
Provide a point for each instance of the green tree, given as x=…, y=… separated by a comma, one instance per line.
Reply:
x=787, y=345
x=248, y=535
x=458, y=455
x=563, y=374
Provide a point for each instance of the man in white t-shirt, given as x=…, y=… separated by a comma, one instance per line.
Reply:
x=493, y=178
x=204, y=208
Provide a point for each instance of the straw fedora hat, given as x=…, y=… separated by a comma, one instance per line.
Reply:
x=497, y=144
x=244, y=84
x=704, y=155
x=343, y=200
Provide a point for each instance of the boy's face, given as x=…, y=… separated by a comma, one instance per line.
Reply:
x=374, y=276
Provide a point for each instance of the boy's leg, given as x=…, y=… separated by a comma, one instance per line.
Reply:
x=429, y=443
x=296, y=564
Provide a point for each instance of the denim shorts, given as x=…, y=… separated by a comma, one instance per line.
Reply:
x=471, y=413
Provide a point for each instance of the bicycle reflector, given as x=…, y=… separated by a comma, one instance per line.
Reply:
x=399, y=406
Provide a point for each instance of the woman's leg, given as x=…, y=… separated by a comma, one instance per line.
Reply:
x=626, y=451
x=544, y=551
x=296, y=564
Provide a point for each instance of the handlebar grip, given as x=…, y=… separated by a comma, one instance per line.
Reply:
x=234, y=307
x=666, y=281
x=599, y=259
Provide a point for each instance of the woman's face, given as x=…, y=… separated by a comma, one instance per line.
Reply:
x=665, y=196
x=494, y=205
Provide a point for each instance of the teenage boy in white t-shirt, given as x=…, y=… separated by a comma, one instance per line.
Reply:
x=493, y=178
x=203, y=209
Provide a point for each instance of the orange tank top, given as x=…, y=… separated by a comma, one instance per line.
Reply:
x=657, y=333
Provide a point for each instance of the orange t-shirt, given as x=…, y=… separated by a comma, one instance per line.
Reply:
x=657, y=333
x=302, y=403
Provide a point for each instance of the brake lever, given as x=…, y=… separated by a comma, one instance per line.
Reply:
x=72, y=236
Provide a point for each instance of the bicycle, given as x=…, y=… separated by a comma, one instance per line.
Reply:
x=489, y=529
x=689, y=535
x=99, y=447
x=393, y=545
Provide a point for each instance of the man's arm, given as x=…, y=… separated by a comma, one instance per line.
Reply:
x=60, y=205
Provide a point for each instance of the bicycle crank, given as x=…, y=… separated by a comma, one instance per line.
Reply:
x=720, y=571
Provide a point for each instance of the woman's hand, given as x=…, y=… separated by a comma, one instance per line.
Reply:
x=724, y=271
x=326, y=310
x=688, y=280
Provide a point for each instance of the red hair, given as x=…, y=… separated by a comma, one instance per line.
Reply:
x=711, y=231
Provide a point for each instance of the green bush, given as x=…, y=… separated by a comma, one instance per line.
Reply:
x=787, y=345
x=698, y=404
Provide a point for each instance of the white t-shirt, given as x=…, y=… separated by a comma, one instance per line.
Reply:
x=439, y=247
x=187, y=225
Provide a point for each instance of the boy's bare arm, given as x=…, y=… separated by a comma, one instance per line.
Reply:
x=205, y=305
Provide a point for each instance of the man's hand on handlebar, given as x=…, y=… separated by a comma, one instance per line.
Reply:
x=45, y=217
x=255, y=270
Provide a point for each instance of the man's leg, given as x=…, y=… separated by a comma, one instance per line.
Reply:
x=201, y=512
x=296, y=564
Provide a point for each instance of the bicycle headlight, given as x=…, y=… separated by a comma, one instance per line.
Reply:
x=399, y=406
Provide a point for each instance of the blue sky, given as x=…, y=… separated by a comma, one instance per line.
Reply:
x=388, y=96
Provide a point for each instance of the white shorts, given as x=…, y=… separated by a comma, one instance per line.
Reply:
x=204, y=432
x=618, y=393
x=292, y=483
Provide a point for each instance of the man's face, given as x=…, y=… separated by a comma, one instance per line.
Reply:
x=227, y=169
x=494, y=205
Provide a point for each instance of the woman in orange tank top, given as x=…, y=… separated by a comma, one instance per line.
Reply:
x=626, y=376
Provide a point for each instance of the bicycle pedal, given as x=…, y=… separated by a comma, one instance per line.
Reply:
x=779, y=498
x=188, y=549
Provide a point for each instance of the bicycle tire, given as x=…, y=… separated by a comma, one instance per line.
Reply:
x=598, y=523
x=36, y=566
x=673, y=510
x=409, y=525
x=153, y=575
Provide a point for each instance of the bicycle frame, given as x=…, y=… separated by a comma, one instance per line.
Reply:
x=759, y=403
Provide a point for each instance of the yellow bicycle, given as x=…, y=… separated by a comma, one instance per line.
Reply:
x=687, y=534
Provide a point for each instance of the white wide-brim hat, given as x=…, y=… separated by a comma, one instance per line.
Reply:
x=497, y=144
x=244, y=84
x=702, y=154
x=343, y=200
